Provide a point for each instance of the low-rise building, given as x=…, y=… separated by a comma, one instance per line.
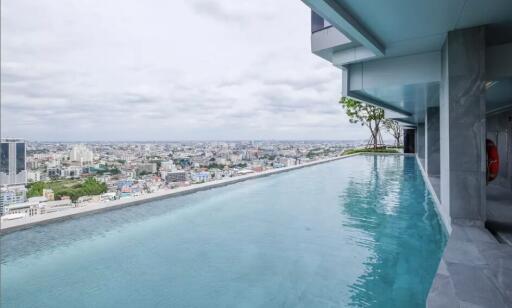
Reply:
x=71, y=172
x=147, y=168
x=202, y=176
x=49, y=194
x=176, y=176
x=12, y=195
x=34, y=175
x=53, y=172
x=29, y=208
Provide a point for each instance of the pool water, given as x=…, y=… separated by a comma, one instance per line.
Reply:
x=360, y=231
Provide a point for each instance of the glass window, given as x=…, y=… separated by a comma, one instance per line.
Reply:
x=20, y=157
x=4, y=157
x=317, y=22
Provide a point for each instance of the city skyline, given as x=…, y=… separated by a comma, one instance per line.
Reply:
x=149, y=141
x=117, y=72
x=58, y=176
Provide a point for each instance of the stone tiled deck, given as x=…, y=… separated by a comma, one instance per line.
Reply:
x=475, y=271
x=499, y=212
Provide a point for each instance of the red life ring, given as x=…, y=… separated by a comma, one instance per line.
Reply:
x=493, y=160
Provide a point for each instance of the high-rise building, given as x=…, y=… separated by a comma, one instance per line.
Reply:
x=80, y=153
x=13, y=169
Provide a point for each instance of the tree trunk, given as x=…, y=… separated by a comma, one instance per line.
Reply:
x=375, y=139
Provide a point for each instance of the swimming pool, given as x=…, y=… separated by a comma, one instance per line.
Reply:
x=360, y=231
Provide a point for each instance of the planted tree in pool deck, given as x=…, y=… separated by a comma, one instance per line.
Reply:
x=394, y=129
x=367, y=115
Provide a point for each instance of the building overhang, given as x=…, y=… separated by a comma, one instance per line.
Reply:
x=344, y=22
x=390, y=51
x=402, y=86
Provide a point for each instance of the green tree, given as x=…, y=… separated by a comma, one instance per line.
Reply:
x=91, y=186
x=366, y=115
x=215, y=166
x=394, y=129
x=35, y=189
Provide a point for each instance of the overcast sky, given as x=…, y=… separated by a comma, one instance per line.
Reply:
x=165, y=70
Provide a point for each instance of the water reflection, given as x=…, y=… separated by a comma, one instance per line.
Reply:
x=272, y=242
x=391, y=214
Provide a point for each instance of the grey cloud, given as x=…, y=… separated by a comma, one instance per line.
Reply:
x=122, y=68
x=218, y=11
x=214, y=10
x=299, y=83
x=136, y=99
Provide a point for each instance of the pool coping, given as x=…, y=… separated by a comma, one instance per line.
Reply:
x=9, y=226
x=445, y=221
x=474, y=269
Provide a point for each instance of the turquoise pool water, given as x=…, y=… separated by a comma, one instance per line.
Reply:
x=359, y=232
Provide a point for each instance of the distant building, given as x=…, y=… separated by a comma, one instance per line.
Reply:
x=124, y=183
x=55, y=206
x=25, y=208
x=287, y=161
x=48, y=194
x=13, y=169
x=53, y=172
x=200, y=176
x=71, y=172
x=12, y=195
x=38, y=199
x=168, y=166
x=80, y=153
x=34, y=176
x=129, y=173
x=245, y=171
x=257, y=168
x=150, y=168
x=33, y=164
x=176, y=176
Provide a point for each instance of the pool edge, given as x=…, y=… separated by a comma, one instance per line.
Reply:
x=97, y=208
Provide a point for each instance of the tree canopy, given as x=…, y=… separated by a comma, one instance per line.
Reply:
x=394, y=129
x=90, y=186
x=366, y=115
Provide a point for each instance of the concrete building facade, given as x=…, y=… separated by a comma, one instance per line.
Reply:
x=80, y=153
x=443, y=69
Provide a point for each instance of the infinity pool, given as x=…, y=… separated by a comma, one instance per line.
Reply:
x=360, y=231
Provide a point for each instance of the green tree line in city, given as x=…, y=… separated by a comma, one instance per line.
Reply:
x=317, y=152
x=113, y=171
x=89, y=187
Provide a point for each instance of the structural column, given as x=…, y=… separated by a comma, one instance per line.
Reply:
x=432, y=148
x=462, y=125
x=420, y=142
